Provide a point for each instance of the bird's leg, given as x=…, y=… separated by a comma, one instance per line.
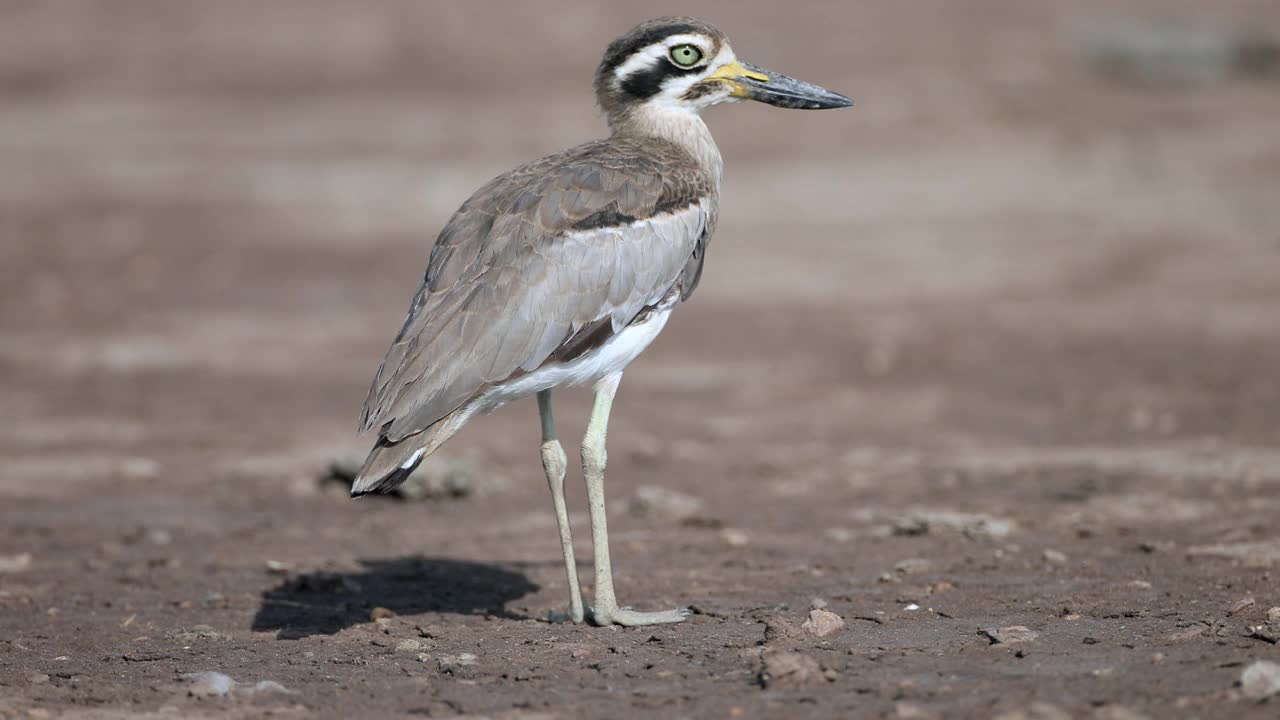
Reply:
x=554, y=463
x=606, y=610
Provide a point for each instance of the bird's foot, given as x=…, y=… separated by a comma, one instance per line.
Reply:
x=573, y=615
x=627, y=617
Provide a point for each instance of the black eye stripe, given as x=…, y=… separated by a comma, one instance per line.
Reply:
x=648, y=82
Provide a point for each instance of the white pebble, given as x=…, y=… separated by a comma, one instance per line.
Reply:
x=209, y=684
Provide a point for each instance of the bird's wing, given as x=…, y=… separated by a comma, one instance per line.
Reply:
x=534, y=259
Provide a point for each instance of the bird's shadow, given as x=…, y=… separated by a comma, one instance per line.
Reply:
x=323, y=603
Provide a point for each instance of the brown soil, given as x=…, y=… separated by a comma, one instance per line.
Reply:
x=998, y=347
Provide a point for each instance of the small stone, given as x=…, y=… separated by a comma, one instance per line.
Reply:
x=409, y=645
x=912, y=566
x=787, y=669
x=271, y=686
x=37, y=678
x=1261, y=553
x=1140, y=584
x=209, y=684
x=450, y=664
x=1009, y=635
x=971, y=525
x=838, y=534
x=1156, y=546
x=781, y=629
x=1054, y=557
x=734, y=538
x=817, y=604
x=1035, y=711
x=1240, y=606
x=381, y=613
x=1117, y=712
x=911, y=711
x=15, y=563
x=1261, y=680
x=822, y=623
x=653, y=500
x=1269, y=631
x=912, y=607
x=1193, y=631
x=581, y=652
x=279, y=567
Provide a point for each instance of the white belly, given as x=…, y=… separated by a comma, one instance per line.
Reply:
x=591, y=367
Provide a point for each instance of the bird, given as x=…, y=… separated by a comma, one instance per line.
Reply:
x=562, y=271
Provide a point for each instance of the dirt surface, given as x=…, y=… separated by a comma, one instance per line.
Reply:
x=988, y=365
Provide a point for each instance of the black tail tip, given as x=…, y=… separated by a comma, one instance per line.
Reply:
x=387, y=484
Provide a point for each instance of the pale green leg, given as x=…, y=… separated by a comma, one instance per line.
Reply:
x=554, y=463
x=606, y=610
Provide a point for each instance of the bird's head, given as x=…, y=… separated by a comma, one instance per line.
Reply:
x=685, y=64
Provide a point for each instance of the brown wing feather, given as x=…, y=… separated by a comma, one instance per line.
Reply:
x=533, y=260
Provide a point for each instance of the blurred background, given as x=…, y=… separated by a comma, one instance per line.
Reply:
x=1043, y=246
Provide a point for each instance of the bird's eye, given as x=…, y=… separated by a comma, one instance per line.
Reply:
x=686, y=55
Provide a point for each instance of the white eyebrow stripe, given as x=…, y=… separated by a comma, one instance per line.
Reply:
x=646, y=57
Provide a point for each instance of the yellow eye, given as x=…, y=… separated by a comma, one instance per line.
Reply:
x=686, y=55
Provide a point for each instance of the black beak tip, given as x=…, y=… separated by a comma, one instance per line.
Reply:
x=838, y=101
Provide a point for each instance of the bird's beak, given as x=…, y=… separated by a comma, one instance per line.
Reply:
x=753, y=83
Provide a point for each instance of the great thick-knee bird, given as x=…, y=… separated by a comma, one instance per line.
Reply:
x=562, y=271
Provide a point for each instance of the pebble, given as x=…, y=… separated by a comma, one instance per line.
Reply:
x=912, y=566
x=822, y=623
x=1270, y=631
x=1036, y=711
x=451, y=663
x=780, y=629
x=1261, y=680
x=1117, y=712
x=787, y=669
x=734, y=538
x=1009, y=634
x=1055, y=557
x=654, y=500
x=272, y=686
x=409, y=645
x=381, y=613
x=15, y=563
x=838, y=534
x=973, y=525
x=209, y=684
x=1262, y=553
x=1240, y=606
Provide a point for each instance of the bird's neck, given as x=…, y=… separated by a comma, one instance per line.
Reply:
x=675, y=125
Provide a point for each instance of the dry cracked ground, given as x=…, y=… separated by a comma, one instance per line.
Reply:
x=976, y=413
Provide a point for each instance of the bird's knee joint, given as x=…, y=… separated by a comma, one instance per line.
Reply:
x=553, y=459
x=594, y=457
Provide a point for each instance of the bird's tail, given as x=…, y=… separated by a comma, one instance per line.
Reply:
x=391, y=463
